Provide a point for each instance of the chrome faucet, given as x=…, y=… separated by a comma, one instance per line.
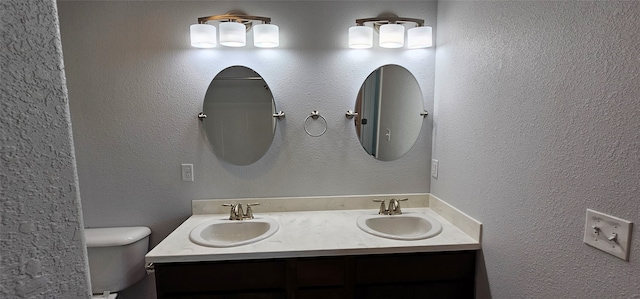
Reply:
x=394, y=206
x=236, y=212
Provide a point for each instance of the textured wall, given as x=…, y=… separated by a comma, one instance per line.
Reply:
x=136, y=86
x=537, y=118
x=42, y=251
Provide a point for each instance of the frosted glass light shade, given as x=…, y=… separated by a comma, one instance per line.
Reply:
x=266, y=36
x=203, y=35
x=233, y=34
x=419, y=37
x=391, y=36
x=360, y=37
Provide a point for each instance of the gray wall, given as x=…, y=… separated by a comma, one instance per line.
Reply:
x=537, y=118
x=136, y=86
x=42, y=251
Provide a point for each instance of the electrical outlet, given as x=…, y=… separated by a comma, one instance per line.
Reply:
x=434, y=168
x=607, y=233
x=187, y=172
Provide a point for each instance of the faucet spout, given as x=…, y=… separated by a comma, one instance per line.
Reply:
x=236, y=211
x=394, y=206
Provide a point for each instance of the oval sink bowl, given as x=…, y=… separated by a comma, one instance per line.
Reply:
x=400, y=227
x=229, y=233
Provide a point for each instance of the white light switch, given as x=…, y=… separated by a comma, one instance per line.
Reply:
x=187, y=172
x=607, y=233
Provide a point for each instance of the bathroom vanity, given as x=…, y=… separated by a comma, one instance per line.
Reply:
x=318, y=251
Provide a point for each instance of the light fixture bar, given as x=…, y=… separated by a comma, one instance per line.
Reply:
x=234, y=17
x=391, y=29
x=232, y=29
x=390, y=20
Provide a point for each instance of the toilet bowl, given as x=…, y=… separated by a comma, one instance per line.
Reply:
x=116, y=258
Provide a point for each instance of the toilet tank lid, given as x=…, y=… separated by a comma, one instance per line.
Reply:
x=114, y=236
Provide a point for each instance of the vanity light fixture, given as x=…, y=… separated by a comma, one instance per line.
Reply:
x=391, y=33
x=232, y=28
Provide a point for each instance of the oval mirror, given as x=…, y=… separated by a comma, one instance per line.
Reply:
x=389, y=106
x=239, y=110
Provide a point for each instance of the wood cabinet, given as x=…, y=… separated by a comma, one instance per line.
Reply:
x=407, y=275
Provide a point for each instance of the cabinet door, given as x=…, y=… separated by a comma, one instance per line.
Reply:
x=446, y=289
x=439, y=290
x=415, y=267
x=384, y=292
x=416, y=275
x=257, y=295
x=320, y=272
x=248, y=295
x=234, y=278
x=326, y=293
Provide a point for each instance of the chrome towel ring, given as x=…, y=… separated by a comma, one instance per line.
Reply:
x=315, y=115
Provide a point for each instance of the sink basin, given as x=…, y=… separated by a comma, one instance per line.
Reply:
x=408, y=226
x=229, y=233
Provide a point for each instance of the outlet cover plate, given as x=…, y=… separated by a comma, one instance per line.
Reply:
x=187, y=172
x=434, y=168
x=607, y=226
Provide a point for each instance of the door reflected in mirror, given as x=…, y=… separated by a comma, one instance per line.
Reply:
x=389, y=104
x=239, y=107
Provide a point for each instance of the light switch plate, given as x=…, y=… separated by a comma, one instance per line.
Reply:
x=607, y=233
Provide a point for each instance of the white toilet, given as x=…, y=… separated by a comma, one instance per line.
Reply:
x=116, y=258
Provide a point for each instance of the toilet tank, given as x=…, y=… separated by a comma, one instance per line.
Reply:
x=116, y=256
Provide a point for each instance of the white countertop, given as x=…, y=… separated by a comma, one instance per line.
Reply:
x=319, y=233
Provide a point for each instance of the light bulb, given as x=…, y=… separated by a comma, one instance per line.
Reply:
x=203, y=35
x=419, y=37
x=266, y=36
x=391, y=36
x=360, y=37
x=233, y=34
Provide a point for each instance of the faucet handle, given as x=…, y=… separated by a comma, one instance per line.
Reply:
x=383, y=210
x=249, y=213
x=231, y=214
